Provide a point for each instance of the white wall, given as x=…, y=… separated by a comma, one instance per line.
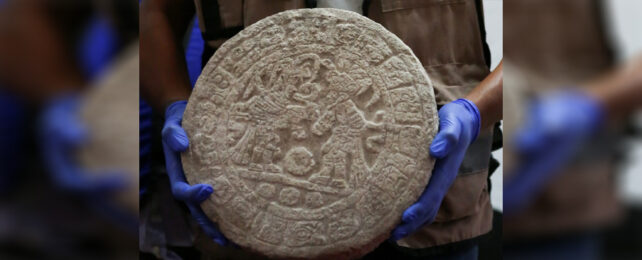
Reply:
x=493, y=18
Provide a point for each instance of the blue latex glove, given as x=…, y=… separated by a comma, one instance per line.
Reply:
x=556, y=127
x=459, y=125
x=60, y=134
x=174, y=142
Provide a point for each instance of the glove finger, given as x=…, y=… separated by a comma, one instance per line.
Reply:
x=446, y=139
x=414, y=217
x=210, y=228
x=424, y=210
x=403, y=230
x=442, y=177
x=191, y=193
x=215, y=234
x=416, y=212
x=175, y=137
x=173, y=165
x=174, y=112
x=429, y=201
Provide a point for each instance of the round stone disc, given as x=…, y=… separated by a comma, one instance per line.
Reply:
x=313, y=126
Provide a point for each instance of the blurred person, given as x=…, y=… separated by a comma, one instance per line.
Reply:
x=565, y=144
x=448, y=38
x=50, y=51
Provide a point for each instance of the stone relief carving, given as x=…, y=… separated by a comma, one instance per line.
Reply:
x=313, y=127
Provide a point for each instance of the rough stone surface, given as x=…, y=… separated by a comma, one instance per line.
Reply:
x=313, y=126
x=110, y=113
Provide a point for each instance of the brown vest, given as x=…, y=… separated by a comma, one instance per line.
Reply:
x=562, y=43
x=445, y=36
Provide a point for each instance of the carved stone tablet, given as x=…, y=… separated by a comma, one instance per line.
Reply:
x=313, y=126
x=110, y=113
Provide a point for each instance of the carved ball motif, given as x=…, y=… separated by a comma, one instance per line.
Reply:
x=299, y=161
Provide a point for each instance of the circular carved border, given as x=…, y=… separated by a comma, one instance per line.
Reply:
x=313, y=128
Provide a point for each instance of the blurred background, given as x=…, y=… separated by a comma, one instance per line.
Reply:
x=572, y=144
x=68, y=129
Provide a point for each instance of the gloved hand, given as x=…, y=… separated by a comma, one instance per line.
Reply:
x=459, y=125
x=556, y=126
x=174, y=142
x=60, y=133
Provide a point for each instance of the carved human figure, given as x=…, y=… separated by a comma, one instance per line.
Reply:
x=266, y=149
x=258, y=145
x=346, y=123
x=241, y=152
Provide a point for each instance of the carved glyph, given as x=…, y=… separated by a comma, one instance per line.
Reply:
x=313, y=126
